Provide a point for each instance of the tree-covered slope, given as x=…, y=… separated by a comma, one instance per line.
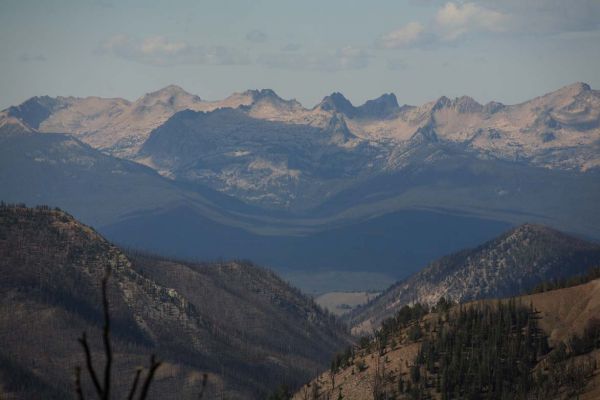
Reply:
x=545, y=345
x=245, y=327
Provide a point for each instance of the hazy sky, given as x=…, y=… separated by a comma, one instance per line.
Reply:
x=418, y=49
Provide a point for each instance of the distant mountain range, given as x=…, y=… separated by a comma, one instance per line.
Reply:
x=241, y=324
x=509, y=265
x=544, y=131
x=374, y=188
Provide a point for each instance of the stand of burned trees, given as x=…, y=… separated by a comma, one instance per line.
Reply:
x=102, y=386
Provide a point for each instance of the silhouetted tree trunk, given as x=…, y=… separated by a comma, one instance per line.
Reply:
x=103, y=389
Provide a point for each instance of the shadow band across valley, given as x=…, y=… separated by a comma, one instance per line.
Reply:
x=394, y=245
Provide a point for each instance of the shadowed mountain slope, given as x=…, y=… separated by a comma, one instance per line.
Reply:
x=136, y=207
x=240, y=323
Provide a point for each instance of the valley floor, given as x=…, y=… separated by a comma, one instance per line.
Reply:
x=340, y=303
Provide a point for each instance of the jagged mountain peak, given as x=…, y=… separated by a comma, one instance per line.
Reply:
x=263, y=94
x=169, y=90
x=467, y=104
x=259, y=98
x=383, y=106
x=338, y=103
x=266, y=104
x=463, y=104
x=338, y=97
x=170, y=96
x=492, y=107
x=574, y=88
x=563, y=96
x=442, y=102
x=386, y=98
x=574, y=107
x=35, y=110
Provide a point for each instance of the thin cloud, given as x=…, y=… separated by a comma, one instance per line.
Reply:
x=548, y=16
x=397, y=64
x=454, y=21
x=291, y=47
x=26, y=57
x=160, y=51
x=256, y=36
x=346, y=58
x=405, y=36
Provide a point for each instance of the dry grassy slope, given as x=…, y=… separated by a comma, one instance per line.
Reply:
x=359, y=385
x=50, y=269
x=564, y=313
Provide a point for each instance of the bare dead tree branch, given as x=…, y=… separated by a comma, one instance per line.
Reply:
x=89, y=364
x=106, y=334
x=204, y=381
x=136, y=379
x=103, y=391
x=78, y=383
x=153, y=367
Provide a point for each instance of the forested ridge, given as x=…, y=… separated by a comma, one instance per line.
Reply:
x=523, y=259
x=496, y=349
x=241, y=324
